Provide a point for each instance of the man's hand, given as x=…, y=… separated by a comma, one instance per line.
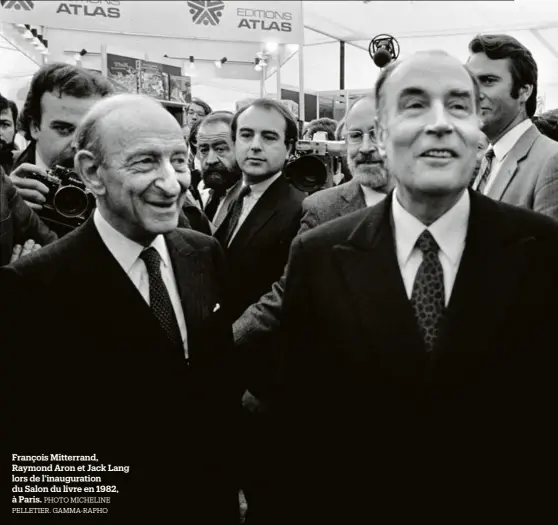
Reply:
x=32, y=191
x=21, y=251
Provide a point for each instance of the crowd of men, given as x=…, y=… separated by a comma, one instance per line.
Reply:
x=382, y=349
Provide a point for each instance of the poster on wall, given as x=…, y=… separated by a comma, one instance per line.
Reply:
x=180, y=89
x=122, y=73
x=153, y=81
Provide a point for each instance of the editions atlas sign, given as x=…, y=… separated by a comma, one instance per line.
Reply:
x=210, y=12
x=90, y=8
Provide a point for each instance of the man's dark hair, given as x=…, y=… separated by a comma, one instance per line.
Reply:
x=199, y=102
x=321, y=124
x=547, y=123
x=291, y=128
x=523, y=67
x=60, y=79
x=11, y=105
x=218, y=116
x=193, y=137
x=387, y=72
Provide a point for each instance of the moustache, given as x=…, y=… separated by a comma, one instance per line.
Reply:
x=368, y=159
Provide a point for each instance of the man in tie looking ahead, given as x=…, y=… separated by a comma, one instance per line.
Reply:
x=415, y=379
x=129, y=355
x=521, y=164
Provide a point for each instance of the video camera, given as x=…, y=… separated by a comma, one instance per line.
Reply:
x=314, y=163
x=68, y=203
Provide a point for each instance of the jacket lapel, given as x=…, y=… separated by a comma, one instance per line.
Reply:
x=265, y=208
x=368, y=263
x=510, y=165
x=191, y=277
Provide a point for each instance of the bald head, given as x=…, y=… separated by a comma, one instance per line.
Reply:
x=122, y=113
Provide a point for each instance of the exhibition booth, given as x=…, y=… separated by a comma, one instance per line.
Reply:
x=227, y=52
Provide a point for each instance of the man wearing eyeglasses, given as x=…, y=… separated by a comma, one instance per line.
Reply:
x=369, y=185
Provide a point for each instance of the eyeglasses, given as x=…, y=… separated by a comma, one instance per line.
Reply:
x=356, y=136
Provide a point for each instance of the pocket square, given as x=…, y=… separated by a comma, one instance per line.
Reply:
x=216, y=307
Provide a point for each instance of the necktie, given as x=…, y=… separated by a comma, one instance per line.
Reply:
x=428, y=299
x=213, y=203
x=485, y=169
x=233, y=216
x=159, y=299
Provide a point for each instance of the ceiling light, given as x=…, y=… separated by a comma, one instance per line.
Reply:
x=219, y=63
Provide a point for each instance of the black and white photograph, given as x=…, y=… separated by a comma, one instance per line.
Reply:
x=279, y=262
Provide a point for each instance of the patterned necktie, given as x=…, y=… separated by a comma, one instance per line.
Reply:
x=428, y=299
x=486, y=166
x=159, y=299
x=230, y=222
x=213, y=203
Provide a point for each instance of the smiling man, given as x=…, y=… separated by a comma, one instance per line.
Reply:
x=141, y=373
x=415, y=374
x=521, y=165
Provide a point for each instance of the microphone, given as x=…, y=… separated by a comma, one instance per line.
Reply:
x=383, y=49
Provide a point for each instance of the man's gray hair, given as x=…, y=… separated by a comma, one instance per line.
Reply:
x=87, y=135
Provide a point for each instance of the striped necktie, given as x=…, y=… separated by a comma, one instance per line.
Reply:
x=485, y=170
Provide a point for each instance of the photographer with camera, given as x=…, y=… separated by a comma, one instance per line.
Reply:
x=59, y=97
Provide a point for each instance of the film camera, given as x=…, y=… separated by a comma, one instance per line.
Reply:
x=68, y=203
x=314, y=163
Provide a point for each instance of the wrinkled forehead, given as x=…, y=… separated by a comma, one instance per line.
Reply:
x=434, y=75
x=6, y=114
x=214, y=132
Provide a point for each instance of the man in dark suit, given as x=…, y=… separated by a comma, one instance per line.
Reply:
x=256, y=234
x=521, y=166
x=368, y=185
x=130, y=352
x=415, y=380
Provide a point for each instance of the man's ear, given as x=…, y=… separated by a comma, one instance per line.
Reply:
x=87, y=167
x=34, y=130
x=525, y=92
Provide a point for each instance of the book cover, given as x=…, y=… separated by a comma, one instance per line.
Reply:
x=180, y=89
x=122, y=73
x=152, y=82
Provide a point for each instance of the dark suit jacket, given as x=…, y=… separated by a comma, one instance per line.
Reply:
x=370, y=422
x=529, y=175
x=262, y=317
x=91, y=371
x=18, y=222
x=258, y=253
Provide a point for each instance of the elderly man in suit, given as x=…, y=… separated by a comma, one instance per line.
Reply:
x=415, y=380
x=368, y=186
x=521, y=165
x=130, y=352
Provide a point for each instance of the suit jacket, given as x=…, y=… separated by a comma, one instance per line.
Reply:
x=374, y=424
x=262, y=317
x=529, y=175
x=100, y=376
x=18, y=222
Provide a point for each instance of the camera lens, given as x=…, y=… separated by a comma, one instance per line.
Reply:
x=70, y=201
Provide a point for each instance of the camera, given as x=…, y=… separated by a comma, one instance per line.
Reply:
x=313, y=164
x=68, y=203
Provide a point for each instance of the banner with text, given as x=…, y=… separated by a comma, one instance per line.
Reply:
x=211, y=20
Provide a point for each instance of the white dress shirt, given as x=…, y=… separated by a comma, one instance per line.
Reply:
x=257, y=190
x=371, y=196
x=127, y=253
x=502, y=148
x=449, y=231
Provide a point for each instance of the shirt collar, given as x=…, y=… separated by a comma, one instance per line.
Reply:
x=449, y=230
x=371, y=196
x=124, y=250
x=507, y=142
x=258, y=189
